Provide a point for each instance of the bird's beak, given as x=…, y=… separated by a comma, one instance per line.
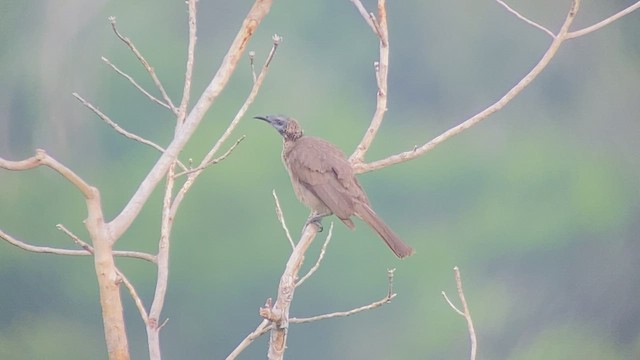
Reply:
x=263, y=118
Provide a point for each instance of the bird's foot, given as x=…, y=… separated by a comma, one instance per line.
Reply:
x=316, y=219
x=316, y=222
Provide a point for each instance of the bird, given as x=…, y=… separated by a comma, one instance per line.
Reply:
x=324, y=180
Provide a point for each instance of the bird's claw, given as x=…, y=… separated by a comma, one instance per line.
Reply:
x=317, y=221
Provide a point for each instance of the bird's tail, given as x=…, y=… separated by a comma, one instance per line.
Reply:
x=399, y=247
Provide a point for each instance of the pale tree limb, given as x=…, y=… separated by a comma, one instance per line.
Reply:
x=365, y=14
x=605, y=22
x=266, y=325
x=119, y=129
x=381, y=67
x=385, y=300
x=135, y=84
x=106, y=271
x=144, y=63
x=252, y=56
x=214, y=161
x=262, y=329
x=153, y=330
x=523, y=18
x=464, y=312
x=323, y=250
x=278, y=314
x=227, y=133
x=281, y=220
x=89, y=249
x=134, y=295
x=191, y=49
x=129, y=213
x=121, y=277
x=40, y=249
x=521, y=85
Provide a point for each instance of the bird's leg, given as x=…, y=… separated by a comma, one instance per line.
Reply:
x=316, y=219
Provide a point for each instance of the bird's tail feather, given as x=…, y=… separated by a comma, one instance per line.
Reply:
x=399, y=247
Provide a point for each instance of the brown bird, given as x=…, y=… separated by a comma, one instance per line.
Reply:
x=323, y=180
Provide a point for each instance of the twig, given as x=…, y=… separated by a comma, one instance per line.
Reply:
x=42, y=158
x=144, y=63
x=191, y=49
x=214, y=161
x=280, y=216
x=40, y=249
x=134, y=83
x=365, y=15
x=444, y=294
x=323, y=250
x=381, y=71
x=464, y=313
x=530, y=22
x=153, y=331
x=248, y=101
x=385, y=300
x=120, y=130
x=134, y=295
x=279, y=313
x=603, y=23
x=130, y=212
x=234, y=123
x=252, y=56
x=89, y=249
x=262, y=329
x=513, y=92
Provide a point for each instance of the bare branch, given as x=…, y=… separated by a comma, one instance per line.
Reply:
x=444, y=294
x=385, y=300
x=40, y=249
x=365, y=15
x=248, y=101
x=134, y=295
x=42, y=158
x=191, y=49
x=252, y=63
x=153, y=331
x=323, y=250
x=464, y=313
x=262, y=329
x=89, y=249
x=603, y=23
x=234, y=123
x=278, y=314
x=530, y=22
x=119, y=129
x=214, y=161
x=280, y=216
x=144, y=63
x=521, y=85
x=134, y=83
x=381, y=68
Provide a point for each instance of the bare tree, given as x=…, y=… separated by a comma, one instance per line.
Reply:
x=179, y=177
x=104, y=234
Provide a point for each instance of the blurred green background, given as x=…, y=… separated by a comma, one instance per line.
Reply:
x=539, y=205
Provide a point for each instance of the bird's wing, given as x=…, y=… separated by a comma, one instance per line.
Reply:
x=323, y=169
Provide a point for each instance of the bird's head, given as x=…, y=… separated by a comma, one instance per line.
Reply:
x=286, y=126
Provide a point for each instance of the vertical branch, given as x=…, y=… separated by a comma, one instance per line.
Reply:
x=278, y=314
x=186, y=92
x=464, y=312
x=108, y=281
x=381, y=70
x=126, y=217
x=153, y=327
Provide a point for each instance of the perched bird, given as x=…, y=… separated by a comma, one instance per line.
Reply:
x=323, y=180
